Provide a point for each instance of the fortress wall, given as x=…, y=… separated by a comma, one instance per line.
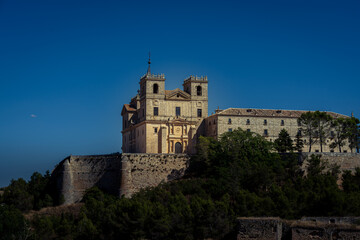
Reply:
x=140, y=170
x=346, y=161
x=270, y=228
x=125, y=174
x=118, y=174
x=75, y=174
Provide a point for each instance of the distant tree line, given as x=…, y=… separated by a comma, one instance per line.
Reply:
x=316, y=127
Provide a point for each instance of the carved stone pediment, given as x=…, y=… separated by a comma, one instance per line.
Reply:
x=177, y=94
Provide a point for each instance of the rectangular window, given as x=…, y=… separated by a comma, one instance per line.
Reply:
x=316, y=150
x=332, y=134
x=265, y=122
x=156, y=111
x=266, y=132
x=248, y=122
x=229, y=121
x=230, y=129
x=155, y=130
x=177, y=111
x=199, y=112
x=282, y=123
x=248, y=130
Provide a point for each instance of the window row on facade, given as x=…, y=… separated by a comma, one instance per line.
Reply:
x=248, y=122
x=265, y=132
x=177, y=111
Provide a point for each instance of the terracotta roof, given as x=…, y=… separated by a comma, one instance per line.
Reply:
x=128, y=108
x=269, y=113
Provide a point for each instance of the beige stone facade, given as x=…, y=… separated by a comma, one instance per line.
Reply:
x=169, y=121
x=268, y=123
x=164, y=121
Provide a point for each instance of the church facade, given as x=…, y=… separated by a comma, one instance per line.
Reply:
x=164, y=121
x=169, y=121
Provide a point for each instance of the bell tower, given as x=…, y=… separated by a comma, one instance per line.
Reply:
x=152, y=87
x=197, y=87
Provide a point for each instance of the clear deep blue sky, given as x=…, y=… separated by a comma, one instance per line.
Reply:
x=67, y=67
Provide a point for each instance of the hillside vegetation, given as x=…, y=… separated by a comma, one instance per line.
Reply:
x=240, y=175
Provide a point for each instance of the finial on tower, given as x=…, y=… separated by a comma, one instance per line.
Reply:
x=352, y=114
x=149, y=62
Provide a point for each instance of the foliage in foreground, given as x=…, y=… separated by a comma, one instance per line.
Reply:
x=240, y=175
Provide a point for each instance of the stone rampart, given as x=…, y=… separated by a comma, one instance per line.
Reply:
x=118, y=174
x=269, y=228
x=346, y=161
x=125, y=174
x=266, y=228
x=141, y=170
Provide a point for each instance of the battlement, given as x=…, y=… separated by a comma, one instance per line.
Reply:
x=151, y=76
x=196, y=78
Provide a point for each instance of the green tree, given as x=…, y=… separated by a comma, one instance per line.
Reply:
x=284, y=143
x=299, y=142
x=308, y=126
x=351, y=182
x=353, y=133
x=17, y=194
x=323, y=121
x=339, y=135
x=38, y=187
x=12, y=223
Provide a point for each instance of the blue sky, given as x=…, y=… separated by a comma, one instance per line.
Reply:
x=67, y=67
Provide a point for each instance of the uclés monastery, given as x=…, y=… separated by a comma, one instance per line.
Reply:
x=170, y=121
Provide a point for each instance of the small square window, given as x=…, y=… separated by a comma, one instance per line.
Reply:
x=248, y=130
x=332, y=150
x=156, y=111
x=316, y=150
x=230, y=129
x=345, y=151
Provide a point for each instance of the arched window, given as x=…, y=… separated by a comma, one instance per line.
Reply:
x=155, y=88
x=178, y=147
x=198, y=91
